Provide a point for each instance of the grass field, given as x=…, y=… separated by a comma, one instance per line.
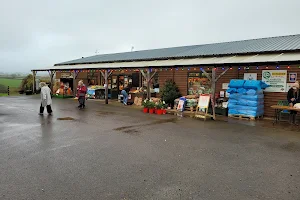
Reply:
x=10, y=82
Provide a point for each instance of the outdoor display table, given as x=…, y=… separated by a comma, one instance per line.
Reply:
x=278, y=110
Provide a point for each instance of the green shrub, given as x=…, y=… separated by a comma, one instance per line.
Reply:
x=170, y=92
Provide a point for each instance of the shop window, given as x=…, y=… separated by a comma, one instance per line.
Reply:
x=92, y=78
x=198, y=83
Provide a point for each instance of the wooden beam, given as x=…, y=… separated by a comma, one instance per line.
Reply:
x=143, y=73
x=206, y=74
x=76, y=74
x=74, y=82
x=222, y=74
x=103, y=75
x=213, y=91
x=148, y=83
x=110, y=73
x=152, y=75
x=33, y=83
x=51, y=74
x=98, y=78
x=106, y=86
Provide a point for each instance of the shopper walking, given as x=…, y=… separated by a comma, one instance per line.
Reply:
x=81, y=92
x=46, y=99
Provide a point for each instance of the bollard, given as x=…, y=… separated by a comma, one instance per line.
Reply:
x=8, y=90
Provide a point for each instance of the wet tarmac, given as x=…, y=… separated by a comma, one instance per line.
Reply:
x=115, y=152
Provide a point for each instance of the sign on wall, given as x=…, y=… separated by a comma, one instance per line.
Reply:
x=276, y=79
x=250, y=76
x=225, y=86
x=66, y=75
x=293, y=77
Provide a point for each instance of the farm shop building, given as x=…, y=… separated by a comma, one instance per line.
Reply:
x=188, y=65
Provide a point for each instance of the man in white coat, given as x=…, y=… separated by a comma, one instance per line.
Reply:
x=46, y=99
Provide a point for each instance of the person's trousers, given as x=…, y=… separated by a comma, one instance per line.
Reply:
x=125, y=96
x=81, y=101
x=49, y=109
x=293, y=117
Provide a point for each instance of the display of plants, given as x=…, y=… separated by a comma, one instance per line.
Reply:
x=151, y=106
x=145, y=104
x=159, y=106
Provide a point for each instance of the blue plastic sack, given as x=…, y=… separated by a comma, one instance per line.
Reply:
x=233, y=101
x=243, y=108
x=232, y=105
x=236, y=83
x=254, y=92
x=246, y=102
x=252, y=97
x=254, y=84
x=236, y=96
x=233, y=112
x=231, y=90
x=241, y=91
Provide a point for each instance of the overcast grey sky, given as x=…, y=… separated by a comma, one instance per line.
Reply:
x=40, y=33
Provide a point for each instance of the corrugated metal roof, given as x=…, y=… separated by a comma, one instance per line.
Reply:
x=226, y=60
x=273, y=44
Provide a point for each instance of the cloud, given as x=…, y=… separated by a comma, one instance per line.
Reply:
x=36, y=34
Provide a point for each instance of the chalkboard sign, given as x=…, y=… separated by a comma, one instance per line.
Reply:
x=203, y=101
x=202, y=108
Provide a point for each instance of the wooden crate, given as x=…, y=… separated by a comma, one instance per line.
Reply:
x=245, y=117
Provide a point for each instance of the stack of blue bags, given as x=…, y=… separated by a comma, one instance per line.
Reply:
x=246, y=98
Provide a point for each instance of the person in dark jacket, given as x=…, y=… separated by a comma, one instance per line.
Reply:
x=293, y=98
x=81, y=92
x=125, y=93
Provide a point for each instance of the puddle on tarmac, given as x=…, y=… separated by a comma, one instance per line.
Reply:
x=104, y=113
x=131, y=131
x=162, y=121
x=65, y=118
x=290, y=146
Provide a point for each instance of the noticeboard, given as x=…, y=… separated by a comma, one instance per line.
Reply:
x=276, y=79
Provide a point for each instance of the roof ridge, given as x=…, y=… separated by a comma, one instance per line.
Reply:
x=197, y=45
x=265, y=44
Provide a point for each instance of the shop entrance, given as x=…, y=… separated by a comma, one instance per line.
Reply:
x=121, y=81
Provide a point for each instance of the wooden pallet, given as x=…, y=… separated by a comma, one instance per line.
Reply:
x=245, y=117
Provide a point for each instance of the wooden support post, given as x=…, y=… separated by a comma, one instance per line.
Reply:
x=106, y=86
x=106, y=75
x=213, y=92
x=206, y=74
x=213, y=80
x=33, y=82
x=222, y=74
x=148, y=77
x=148, y=84
x=75, y=75
x=51, y=74
x=99, y=78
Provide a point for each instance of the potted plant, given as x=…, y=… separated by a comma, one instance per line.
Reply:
x=151, y=107
x=146, y=106
x=164, y=108
x=159, y=107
